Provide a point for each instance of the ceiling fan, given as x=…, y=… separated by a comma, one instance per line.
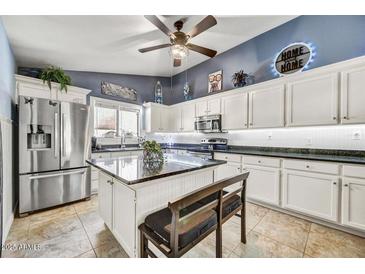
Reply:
x=179, y=41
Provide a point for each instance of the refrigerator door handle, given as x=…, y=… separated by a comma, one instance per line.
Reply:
x=63, y=149
x=56, y=135
x=56, y=174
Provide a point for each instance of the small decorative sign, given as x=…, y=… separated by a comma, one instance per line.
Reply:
x=293, y=58
x=118, y=91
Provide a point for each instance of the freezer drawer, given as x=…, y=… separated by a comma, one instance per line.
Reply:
x=42, y=190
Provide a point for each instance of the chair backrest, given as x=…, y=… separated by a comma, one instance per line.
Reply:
x=203, y=192
x=197, y=195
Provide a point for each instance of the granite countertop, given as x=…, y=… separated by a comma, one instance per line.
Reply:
x=132, y=170
x=330, y=155
x=116, y=149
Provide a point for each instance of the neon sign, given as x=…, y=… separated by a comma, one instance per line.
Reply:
x=293, y=58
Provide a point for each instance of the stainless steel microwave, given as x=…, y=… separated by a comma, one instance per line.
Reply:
x=208, y=124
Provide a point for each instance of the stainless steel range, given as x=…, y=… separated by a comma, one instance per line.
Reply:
x=207, y=146
x=53, y=147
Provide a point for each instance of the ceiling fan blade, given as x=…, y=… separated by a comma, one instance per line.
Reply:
x=157, y=22
x=203, y=25
x=202, y=50
x=177, y=62
x=154, y=48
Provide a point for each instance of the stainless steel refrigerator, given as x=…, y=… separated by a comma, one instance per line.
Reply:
x=1, y=192
x=53, y=148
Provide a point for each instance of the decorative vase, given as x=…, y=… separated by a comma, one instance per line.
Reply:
x=187, y=92
x=150, y=157
x=158, y=93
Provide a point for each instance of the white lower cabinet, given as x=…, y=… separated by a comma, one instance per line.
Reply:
x=124, y=216
x=353, y=203
x=311, y=193
x=263, y=184
x=115, y=208
x=228, y=170
x=105, y=199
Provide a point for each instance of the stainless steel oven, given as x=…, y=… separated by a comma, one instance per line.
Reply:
x=209, y=123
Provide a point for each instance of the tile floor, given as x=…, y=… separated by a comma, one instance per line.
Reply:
x=76, y=230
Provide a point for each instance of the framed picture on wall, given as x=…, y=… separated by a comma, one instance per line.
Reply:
x=215, y=81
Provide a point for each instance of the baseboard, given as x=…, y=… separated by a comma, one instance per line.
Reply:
x=309, y=218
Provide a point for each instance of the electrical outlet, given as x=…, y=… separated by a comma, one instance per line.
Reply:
x=308, y=141
x=356, y=135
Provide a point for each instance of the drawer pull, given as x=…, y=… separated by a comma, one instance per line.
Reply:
x=346, y=185
x=307, y=166
x=344, y=117
x=334, y=183
x=259, y=161
x=334, y=118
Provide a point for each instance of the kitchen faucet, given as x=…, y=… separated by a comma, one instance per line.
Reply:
x=122, y=140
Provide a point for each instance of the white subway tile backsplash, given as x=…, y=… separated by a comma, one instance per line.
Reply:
x=326, y=137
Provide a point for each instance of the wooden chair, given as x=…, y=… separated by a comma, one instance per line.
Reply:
x=186, y=221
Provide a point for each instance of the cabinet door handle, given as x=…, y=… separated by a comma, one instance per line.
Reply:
x=344, y=117
x=346, y=185
x=335, y=183
x=307, y=166
x=334, y=118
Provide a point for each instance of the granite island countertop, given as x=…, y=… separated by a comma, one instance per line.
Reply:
x=132, y=170
x=116, y=149
x=329, y=155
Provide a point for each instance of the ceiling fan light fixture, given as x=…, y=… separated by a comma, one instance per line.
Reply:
x=179, y=51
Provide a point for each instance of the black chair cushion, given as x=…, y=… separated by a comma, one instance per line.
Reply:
x=160, y=223
x=228, y=206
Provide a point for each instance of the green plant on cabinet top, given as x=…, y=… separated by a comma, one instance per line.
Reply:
x=55, y=74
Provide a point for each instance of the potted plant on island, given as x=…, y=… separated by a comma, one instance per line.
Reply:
x=152, y=156
x=55, y=74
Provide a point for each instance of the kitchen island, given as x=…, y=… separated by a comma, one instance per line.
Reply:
x=130, y=189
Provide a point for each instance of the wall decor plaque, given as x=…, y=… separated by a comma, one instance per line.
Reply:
x=215, y=81
x=118, y=91
x=293, y=58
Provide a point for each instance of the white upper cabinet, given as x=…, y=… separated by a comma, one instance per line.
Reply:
x=188, y=117
x=208, y=107
x=266, y=107
x=312, y=100
x=156, y=118
x=214, y=106
x=33, y=87
x=201, y=108
x=234, y=111
x=353, y=96
x=182, y=117
x=175, y=118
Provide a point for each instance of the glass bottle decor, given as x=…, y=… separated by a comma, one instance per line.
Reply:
x=158, y=93
x=187, y=92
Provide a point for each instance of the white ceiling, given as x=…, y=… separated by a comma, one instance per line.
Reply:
x=110, y=43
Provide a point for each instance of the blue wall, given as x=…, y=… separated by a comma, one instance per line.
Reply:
x=7, y=70
x=336, y=38
x=144, y=85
